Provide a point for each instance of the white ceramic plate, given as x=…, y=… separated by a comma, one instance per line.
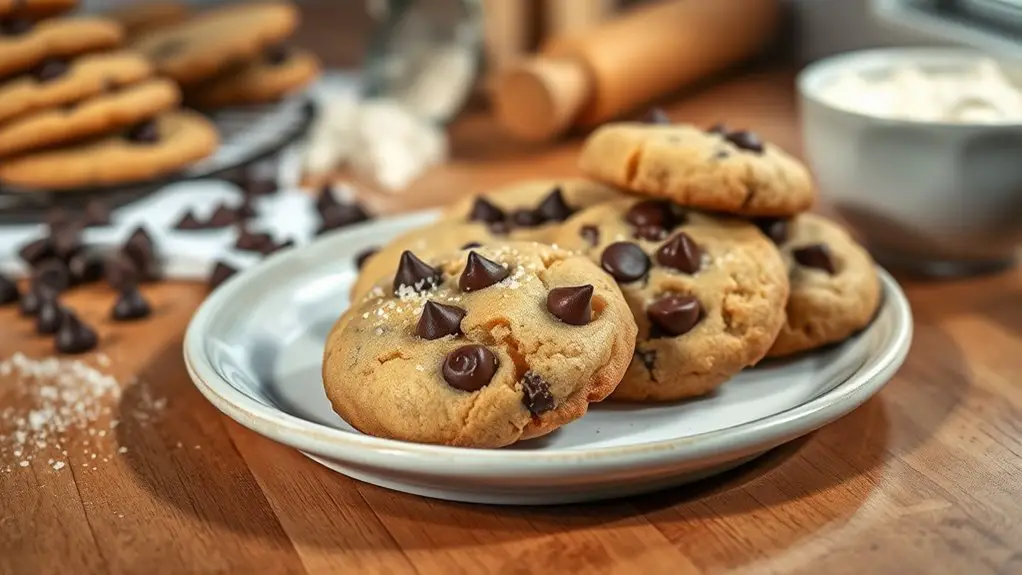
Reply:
x=254, y=350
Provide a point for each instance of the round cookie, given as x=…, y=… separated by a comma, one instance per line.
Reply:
x=489, y=347
x=214, y=41
x=488, y=217
x=58, y=83
x=718, y=170
x=152, y=149
x=276, y=74
x=93, y=117
x=55, y=38
x=11, y=10
x=835, y=290
x=149, y=16
x=707, y=293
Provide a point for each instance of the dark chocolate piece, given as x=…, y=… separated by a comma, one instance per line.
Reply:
x=74, y=336
x=675, y=314
x=415, y=274
x=470, y=368
x=480, y=273
x=572, y=305
x=439, y=320
x=681, y=253
x=130, y=306
x=625, y=262
x=536, y=396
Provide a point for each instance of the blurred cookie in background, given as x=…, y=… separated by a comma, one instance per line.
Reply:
x=278, y=72
x=143, y=17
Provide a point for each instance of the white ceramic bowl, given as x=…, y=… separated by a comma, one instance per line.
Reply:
x=939, y=198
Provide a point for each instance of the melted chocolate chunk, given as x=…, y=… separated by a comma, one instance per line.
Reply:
x=189, y=222
x=49, y=70
x=9, y=292
x=221, y=273
x=681, y=253
x=480, y=273
x=484, y=210
x=147, y=132
x=49, y=317
x=815, y=256
x=74, y=336
x=572, y=305
x=656, y=116
x=625, y=262
x=36, y=251
x=675, y=314
x=591, y=234
x=774, y=228
x=360, y=259
x=526, y=218
x=553, y=208
x=120, y=271
x=746, y=140
x=439, y=320
x=470, y=368
x=536, y=396
x=130, y=306
x=415, y=274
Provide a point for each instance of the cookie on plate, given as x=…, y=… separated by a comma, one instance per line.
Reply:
x=707, y=293
x=718, y=170
x=14, y=13
x=93, y=117
x=279, y=72
x=56, y=38
x=480, y=348
x=57, y=82
x=529, y=210
x=214, y=41
x=835, y=290
x=148, y=150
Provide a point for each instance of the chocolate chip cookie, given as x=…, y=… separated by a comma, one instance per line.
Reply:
x=529, y=210
x=147, y=150
x=106, y=112
x=31, y=43
x=721, y=170
x=834, y=286
x=279, y=72
x=217, y=40
x=707, y=293
x=480, y=348
x=57, y=82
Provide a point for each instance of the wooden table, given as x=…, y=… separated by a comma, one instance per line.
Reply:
x=925, y=478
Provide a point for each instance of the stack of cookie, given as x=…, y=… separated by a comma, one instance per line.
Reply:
x=232, y=56
x=77, y=110
x=686, y=258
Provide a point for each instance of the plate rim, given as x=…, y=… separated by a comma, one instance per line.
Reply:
x=763, y=433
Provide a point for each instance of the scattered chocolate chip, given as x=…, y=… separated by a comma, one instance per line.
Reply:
x=625, y=262
x=774, y=228
x=439, y=320
x=415, y=274
x=50, y=70
x=67, y=239
x=675, y=314
x=245, y=210
x=526, y=218
x=485, y=211
x=147, y=132
x=189, y=222
x=572, y=305
x=15, y=26
x=651, y=233
x=85, y=267
x=223, y=216
x=56, y=219
x=536, y=396
x=342, y=215
x=74, y=336
x=656, y=116
x=120, y=271
x=648, y=358
x=719, y=128
x=480, y=273
x=130, y=306
x=591, y=234
x=253, y=241
x=259, y=187
x=142, y=251
x=96, y=214
x=272, y=248
x=221, y=273
x=815, y=256
x=470, y=368
x=499, y=228
x=654, y=213
x=746, y=140
x=49, y=316
x=326, y=200
x=277, y=55
x=681, y=253
x=30, y=303
x=36, y=251
x=9, y=292
x=360, y=259
x=553, y=208
x=50, y=277
x=471, y=245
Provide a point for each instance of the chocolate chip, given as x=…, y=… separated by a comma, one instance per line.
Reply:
x=526, y=218
x=147, y=132
x=15, y=26
x=9, y=292
x=656, y=116
x=774, y=228
x=485, y=211
x=342, y=215
x=649, y=213
x=499, y=228
x=36, y=251
x=470, y=368
x=221, y=273
x=471, y=245
x=415, y=274
x=96, y=214
x=120, y=271
x=50, y=277
x=439, y=320
x=85, y=267
x=480, y=273
x=276, y=55
x=67, y=240
x=50, y=70
x=591, y=234
x=681, y=253
x=815, y=256
x=74, y=336
x=130, y=306
x=189, y=222
x=675, y=314
x=651, y=233
x=536, y=396
x=746, y=140
x=719, y=128
x=326, y=200
x=625, y=262
x=56, y=219
x=223, y=216
x=49, y=316
x=272, y=248
x=253, y=241
x=360, y=259
x=259, y=187
x=142, y=251
x=30, y=303
x=245, y=210
x=553, y=208
x=572, y=305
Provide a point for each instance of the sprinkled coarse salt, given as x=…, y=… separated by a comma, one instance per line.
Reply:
x=58, y=465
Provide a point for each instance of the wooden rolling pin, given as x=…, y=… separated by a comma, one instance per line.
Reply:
x=624, y=63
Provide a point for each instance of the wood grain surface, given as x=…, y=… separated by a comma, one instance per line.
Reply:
x=924, y=478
